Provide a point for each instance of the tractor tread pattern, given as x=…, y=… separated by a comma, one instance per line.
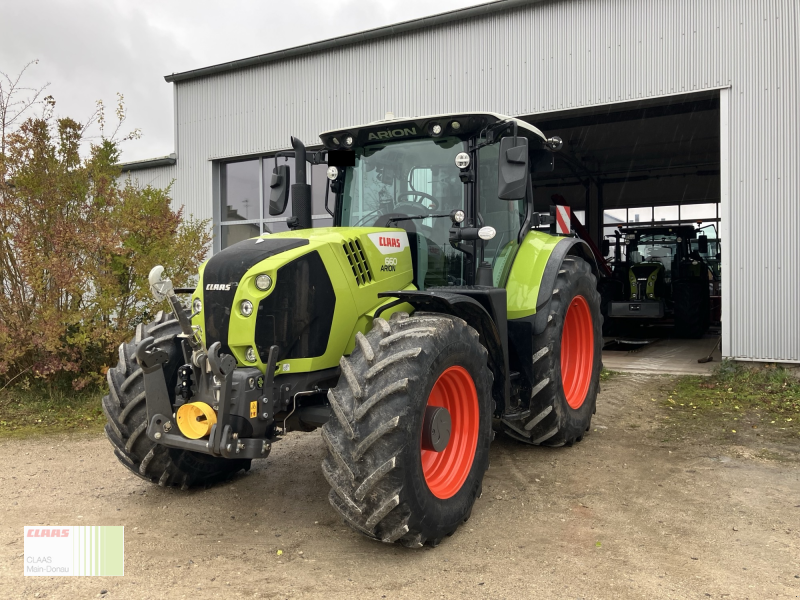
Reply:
x=366, y=441
x=126, y=415
x=546, y=423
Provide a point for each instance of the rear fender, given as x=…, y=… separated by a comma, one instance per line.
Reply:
x=533, y=275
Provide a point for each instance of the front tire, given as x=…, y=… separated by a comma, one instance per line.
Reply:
x=383, y=482
x=126, y=415
x=566, y=363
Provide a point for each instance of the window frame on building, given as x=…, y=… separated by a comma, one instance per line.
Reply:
x=265, y=164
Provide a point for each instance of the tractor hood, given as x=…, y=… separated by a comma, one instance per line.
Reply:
x=319, y=284
x=222, y=275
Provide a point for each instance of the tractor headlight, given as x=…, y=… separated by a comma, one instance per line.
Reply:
x=333, y=173
x=264, y=281
x=197, y=306
x=436, y=129
x=348, y=141
x=246, y=308
x=457, y=216
x=250, y=354
x=462, y=160
x=455, y=125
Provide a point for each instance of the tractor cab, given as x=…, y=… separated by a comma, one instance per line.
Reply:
x=430, y=176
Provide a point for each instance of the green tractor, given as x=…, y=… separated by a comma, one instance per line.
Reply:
x=661, y=279
x=429, y=317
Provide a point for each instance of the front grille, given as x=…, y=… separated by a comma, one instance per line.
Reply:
x=358, y=261
x=226, y=269
x=298, y=315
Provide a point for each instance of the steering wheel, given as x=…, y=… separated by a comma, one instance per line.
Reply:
x=421, y=196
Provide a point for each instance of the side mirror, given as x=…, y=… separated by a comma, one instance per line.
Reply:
x=279, y=190
x=702, y=244
x=512, y=168
x=605, y=247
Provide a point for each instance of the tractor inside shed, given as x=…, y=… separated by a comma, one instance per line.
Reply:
x=641, y=177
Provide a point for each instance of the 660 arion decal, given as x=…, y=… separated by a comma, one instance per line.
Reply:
x=389, y=242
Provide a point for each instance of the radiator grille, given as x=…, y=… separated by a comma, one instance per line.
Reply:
x=358, y=261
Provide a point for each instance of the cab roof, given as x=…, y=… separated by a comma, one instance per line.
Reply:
x=462, y=125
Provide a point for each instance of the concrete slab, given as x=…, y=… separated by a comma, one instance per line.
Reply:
x=663, y=357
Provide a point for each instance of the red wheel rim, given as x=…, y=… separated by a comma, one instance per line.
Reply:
x=446, y=471
x=577, y=352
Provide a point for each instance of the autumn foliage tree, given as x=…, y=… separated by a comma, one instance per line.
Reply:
x=76, y=245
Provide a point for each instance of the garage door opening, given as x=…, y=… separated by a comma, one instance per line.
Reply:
x=644, y=179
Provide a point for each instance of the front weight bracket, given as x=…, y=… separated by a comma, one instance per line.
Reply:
x=152, y=360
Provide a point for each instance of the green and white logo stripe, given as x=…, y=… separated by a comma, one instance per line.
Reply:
x=98, y=550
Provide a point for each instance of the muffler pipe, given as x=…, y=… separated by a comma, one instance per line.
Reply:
x=301, y=191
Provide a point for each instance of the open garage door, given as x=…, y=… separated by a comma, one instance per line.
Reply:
x=642, y=176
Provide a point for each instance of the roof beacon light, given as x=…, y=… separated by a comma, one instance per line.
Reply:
x=332, y=173
x=462, y=160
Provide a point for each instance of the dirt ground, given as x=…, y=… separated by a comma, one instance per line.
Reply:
x=645, y=507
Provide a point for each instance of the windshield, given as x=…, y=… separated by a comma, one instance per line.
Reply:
x=415, y=178
x=658, y=248
x=419, y=179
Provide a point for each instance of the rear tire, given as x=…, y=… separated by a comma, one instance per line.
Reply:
x=567, y=363
x=383, y=483
x=692, y=308
x=126, y=413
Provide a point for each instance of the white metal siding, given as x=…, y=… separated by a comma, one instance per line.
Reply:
x=551, y=56
x=158, y=177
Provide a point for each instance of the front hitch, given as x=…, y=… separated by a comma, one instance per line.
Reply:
x=214, y=374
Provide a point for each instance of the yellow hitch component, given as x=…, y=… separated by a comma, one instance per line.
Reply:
x=195, y=420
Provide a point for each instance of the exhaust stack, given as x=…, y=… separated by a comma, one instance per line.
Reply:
x=301, y=191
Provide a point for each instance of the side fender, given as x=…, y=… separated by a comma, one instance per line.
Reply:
x=533, y=274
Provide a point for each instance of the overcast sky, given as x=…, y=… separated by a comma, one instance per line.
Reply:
x=91, y=49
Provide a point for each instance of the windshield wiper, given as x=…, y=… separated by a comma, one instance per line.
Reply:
x=415, y=218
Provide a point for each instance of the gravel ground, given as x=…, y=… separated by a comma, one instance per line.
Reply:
x=639, y=509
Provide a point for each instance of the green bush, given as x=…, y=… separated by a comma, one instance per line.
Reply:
x=76, y=246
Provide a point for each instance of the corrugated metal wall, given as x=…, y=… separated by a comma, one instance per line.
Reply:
x=158, y=177
x=551, y=56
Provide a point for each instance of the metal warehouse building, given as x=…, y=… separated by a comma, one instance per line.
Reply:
x=671, y=110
